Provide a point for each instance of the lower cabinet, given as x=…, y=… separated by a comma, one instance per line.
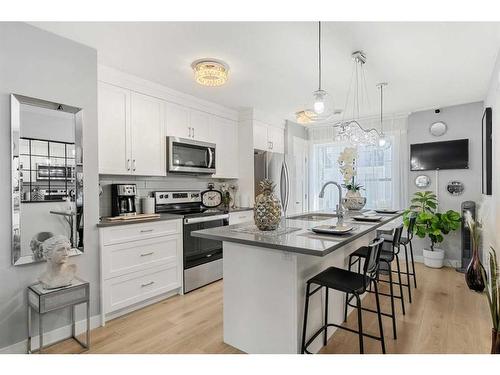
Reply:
x=137, y=268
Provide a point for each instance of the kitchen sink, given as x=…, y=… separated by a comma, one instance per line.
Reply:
x=313, y=217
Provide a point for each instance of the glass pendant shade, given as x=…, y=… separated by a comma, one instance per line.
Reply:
x=319, y=101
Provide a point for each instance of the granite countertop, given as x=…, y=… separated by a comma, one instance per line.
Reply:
x=296, y=235
x=163, y=217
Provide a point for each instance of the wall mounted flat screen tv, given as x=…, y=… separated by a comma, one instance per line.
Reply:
x=440, y=155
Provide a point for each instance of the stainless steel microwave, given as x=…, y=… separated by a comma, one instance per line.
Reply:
x=190, y=156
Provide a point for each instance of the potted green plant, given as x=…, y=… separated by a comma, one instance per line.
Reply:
x=493, y=295
x=432, y=224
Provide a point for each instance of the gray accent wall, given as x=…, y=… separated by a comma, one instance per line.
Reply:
x=464, y=121
x=39, y=64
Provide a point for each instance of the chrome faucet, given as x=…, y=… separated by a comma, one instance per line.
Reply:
x=339, y=211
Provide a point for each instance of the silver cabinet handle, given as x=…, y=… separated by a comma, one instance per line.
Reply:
x=146, y=254
x=128, y=164
x=272, y=145
x=146, y=230
x=133, y=165
x=147, y=284
x=193, y=132
x=189, y=131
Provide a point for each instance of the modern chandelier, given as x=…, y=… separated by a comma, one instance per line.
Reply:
x=346, y=130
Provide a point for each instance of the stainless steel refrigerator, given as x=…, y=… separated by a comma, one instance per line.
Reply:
x=272, y=166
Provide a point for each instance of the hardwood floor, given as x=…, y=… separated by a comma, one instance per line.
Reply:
x=445, y=317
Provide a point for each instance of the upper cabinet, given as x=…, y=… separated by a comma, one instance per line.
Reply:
x=131, y=132
x=224, y=133
x=114, y=129
x=147, y=135
x=268, y=138
x=184, y=122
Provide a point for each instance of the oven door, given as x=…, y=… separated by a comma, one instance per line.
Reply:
x=198, y=251
x=189, y=156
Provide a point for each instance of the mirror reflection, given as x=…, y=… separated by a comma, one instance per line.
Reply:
x=47, y=176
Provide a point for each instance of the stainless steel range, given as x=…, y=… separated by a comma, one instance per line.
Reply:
x=202, y=257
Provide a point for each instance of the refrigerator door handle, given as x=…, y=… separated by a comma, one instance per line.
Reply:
x=284, y=187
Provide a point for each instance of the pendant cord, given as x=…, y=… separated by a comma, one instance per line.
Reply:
x=319, y=54
x=381, y=108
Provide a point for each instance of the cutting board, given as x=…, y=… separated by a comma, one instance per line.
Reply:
x=135, y=217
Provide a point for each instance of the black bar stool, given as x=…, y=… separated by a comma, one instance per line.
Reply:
x=348, y=282
x=406, y=242
x=386, y=257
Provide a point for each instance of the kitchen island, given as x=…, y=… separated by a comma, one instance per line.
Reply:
x=265, y=276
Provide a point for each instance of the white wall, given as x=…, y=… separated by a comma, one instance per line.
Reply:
x=464, y=121
x=490, y=208
x=39, y=64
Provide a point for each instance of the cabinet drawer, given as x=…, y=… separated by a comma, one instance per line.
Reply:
x=121, y=292
x=240, y=217
x=134, y=232
x=123, y=258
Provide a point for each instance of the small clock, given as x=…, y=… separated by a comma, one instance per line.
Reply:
x=211, y=198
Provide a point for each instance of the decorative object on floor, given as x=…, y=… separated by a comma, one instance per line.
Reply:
x=267, y=211
x=58, y=274
x=347, y=165
x=431, y=224
x=422, y=181
x=475, y=270
x=437, y=129
x=493, y=295
x=455, y=188
x=36, y=244
x=210, y=72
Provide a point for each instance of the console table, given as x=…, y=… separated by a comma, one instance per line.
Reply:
x=44, y=301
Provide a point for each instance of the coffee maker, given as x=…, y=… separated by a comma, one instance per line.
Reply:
x=123, y=199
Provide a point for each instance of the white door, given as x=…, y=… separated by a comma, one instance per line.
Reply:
x=148, y=140
x=114, y=129
x=224, y=133
x=260, y=140
x=276, y=137
x=177, y=121
x=299, y=177
x=199, y=122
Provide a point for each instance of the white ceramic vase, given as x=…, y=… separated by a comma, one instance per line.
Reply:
x=434, y=259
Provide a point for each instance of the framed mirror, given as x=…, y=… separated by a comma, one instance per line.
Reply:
x=438, y=129
x=455, y=188
x=422, y=181
x=47, y=176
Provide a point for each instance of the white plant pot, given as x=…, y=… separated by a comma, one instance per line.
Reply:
x=434, y=259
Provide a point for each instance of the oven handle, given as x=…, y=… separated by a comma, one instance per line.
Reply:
x=205, y=219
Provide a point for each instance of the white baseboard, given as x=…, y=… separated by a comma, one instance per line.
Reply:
x=51, y=337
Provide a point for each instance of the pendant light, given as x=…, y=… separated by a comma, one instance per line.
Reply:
x=383, y=141
x=319, y=95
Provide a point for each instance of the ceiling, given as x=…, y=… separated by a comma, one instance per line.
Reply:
x=274, y=64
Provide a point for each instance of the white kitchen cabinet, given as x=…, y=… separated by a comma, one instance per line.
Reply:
x=276, y=138
x=268, y=138
x=139, y=262
x=199, y=122
x=240, y=217
x=114, y=129
x=224, y=133
x=184, y=122
x=177, y=124
x=260, y=140
x=131, y=133
x=147, y=136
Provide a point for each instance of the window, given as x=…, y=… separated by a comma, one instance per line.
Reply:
x=374, y=172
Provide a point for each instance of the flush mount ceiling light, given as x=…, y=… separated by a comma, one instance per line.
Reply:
x=210, y=72
x=305, y=117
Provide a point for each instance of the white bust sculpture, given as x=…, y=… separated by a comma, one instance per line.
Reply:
x=58, y=273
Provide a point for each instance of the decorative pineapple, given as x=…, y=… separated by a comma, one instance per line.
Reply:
x=267, y=211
